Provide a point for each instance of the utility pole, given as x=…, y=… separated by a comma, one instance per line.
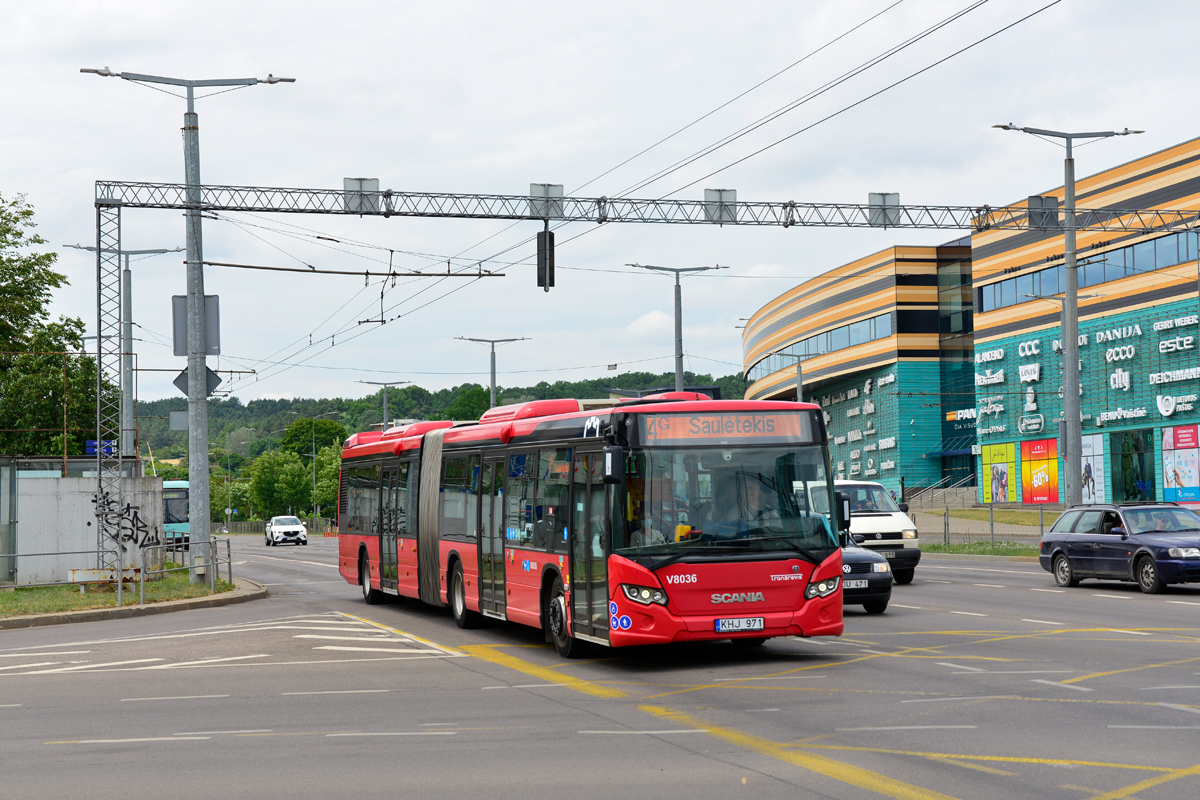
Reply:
x=385, y=385
x=127, y=400
x=229, y=483
x=1070, y=310
x=313, y=428
x=678, y=313
x=493, y=343
x=198, y=506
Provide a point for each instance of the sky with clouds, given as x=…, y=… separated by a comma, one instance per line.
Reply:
x=481, y=97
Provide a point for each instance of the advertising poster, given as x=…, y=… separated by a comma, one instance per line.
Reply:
x=999, y=473
x=1039, y=471
x=1181, y=464
x=1092, y=469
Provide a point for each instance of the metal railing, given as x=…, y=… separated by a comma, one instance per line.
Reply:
x=961, y=528
x=211, y=565
x=923, y=490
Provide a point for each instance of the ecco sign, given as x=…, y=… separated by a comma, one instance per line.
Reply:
x=1124, y=352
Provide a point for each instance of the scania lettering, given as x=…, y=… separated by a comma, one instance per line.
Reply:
x=614, y=523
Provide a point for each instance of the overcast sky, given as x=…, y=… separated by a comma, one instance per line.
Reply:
x=489, y=97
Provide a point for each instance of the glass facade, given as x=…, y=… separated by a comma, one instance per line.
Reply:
x=867, y=330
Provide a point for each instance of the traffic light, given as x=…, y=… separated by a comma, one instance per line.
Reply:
x=545, y=259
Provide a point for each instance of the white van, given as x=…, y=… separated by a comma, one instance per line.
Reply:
x=880, y=525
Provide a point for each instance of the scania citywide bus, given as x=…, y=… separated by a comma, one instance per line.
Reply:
x=665, y=519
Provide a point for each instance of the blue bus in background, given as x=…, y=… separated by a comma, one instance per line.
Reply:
x=175, y=512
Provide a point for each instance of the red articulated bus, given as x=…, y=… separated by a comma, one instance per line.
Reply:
x=664, y=519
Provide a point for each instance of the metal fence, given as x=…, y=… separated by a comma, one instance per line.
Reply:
x=962, y=526
x=316, y=527
x=138, y=574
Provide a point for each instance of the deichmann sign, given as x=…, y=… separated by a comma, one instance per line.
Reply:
x=1175, y=375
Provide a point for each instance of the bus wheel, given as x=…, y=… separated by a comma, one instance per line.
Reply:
x=463, y=616
x=373, y=597
x=556, y=620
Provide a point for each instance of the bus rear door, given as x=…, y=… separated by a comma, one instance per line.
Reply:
x=491, y=540
x=589, y=560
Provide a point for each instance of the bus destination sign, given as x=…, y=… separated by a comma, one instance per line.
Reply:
x=737, y=426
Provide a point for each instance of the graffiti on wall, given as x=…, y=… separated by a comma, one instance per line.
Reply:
x=124, y=525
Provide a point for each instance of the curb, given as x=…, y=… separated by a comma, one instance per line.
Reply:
x=973, y=557
x=246, y=591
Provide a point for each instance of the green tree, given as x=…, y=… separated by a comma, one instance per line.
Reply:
x=329, y=467
x=470, y=403
x=46, y=383
x=279, y=483
x=298, y=438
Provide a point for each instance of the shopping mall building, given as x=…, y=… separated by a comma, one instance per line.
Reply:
x=942, y=364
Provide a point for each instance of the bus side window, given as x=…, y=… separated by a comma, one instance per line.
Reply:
x=457, y=496
x=521, y=488
x=550, y=507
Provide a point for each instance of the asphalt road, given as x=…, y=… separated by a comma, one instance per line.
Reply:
x=983, y=680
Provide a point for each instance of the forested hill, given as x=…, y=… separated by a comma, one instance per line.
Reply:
x=258, y=423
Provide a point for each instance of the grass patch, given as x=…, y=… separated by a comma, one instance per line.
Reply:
x=982, y=549
x=1003, y=515
x=47, y=599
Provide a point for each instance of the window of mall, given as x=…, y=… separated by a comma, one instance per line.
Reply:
x=1133, y=466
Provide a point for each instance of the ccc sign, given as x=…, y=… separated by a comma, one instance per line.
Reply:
x=1026, y=349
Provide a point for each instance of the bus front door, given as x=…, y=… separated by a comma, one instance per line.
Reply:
x=589, y=562
x=491, y=540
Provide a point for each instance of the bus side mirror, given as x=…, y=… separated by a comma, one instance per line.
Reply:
x=904, y=507
x=614, y=464
x=842, y=500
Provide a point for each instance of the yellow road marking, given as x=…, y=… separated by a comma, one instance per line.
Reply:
x=414, y=637
x=968, y=757
x=1157, y=780
x=980, y=767
x=1130, y=669
x=487, y=652
x=846, y=773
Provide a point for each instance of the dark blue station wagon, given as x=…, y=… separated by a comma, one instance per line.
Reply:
x=1152, y=544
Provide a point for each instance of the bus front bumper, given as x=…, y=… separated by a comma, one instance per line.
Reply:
x=636, y=624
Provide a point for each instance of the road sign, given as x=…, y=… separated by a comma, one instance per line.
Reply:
x=107, y=449
x=211, y=378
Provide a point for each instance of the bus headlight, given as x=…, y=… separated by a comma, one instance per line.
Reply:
x=909, y=534
x=644, y=594
x=821, y=588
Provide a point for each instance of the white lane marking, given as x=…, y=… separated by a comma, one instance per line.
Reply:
x=12, y=705
x=1062, y=685
x=377, y=649
x=1183, y=603
x=1042, y=621
x=147, y=739
x=650, y=733
x=351, y=638
x=1189, y=709
x=960, y=666
x=1023, y=672
x=1152, y=688
x=1158, y=727
x=1131, y=633
x=971, y=697
x=528, y=686
x=932, y=580
x=1039, y=571
x=990, y=585
x=341, y=691
x=215, y=733
x=968, y=613
x=397, y=733
x=43, y=655
x=874, y=652
x=897, y=605
x=204, y=662
x=913, y=728
x=38, y=664
x=178, y=697
x=757, y=710
x=89, y=666
x=1056, y=591
x=299, y=561
x=1112, y=596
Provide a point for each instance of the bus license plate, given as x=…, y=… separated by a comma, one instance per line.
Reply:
x=739, y=624
x=858, y=584
x=887, y=553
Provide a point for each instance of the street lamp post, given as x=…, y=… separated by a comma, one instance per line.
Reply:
x=127, y=404
x=385, y=385
x=313, y=427
x=198, y=511
x=1070, y=311
x=678, y=313
x=493, y=343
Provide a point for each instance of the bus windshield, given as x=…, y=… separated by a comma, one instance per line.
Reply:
x=175, y=506
x=719, y=500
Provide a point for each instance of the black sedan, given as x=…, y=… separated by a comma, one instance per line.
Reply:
x=1152, y=544
x=866, y=578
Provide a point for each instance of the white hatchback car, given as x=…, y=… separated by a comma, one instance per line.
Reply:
x=286, y=530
